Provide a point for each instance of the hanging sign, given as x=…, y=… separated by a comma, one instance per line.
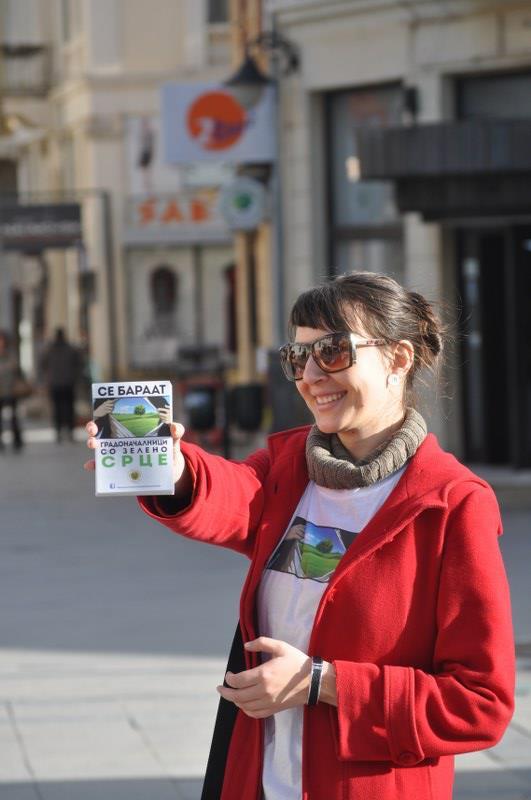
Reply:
x=205, y=122
x=35, y=227
x=242, y=204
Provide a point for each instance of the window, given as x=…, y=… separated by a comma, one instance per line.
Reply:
x=218, y=11
x=354, y=201
x=163, y=290
x=365, y=228
x=8, y=176
x=499, y=96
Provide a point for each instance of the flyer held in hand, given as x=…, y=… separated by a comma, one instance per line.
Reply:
x=134, y=444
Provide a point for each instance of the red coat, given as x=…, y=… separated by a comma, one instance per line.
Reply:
x=416, y=620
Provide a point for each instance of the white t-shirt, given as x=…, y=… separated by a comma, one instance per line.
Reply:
x=323, y=526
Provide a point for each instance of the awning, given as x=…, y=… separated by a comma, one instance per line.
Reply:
x=460, y=168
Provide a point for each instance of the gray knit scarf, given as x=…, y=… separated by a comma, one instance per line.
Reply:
x=331, y=465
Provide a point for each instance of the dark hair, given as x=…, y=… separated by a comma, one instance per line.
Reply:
x=384, y=309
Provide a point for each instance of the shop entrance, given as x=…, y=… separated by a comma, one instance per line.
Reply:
x=494, y=278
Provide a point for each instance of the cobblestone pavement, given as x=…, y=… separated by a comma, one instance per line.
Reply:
x=114, y=633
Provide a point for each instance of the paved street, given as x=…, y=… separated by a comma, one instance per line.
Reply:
x=113, y=636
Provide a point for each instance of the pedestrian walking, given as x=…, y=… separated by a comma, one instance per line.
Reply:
x=61, y=367
x=9, y=380
x=374, y=640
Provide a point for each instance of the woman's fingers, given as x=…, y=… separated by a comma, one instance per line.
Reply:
x=177, y=431
x=92, y=429
x=179, y=465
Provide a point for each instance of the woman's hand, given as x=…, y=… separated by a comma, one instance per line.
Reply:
x=181, y=474
x=92, y=429
x=182, y=477
x=280, y=682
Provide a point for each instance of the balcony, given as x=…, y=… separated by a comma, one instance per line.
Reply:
x=25, y=69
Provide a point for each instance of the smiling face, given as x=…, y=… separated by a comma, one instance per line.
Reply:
x=358, y=403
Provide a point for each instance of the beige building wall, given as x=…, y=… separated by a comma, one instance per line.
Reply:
x=111, y=62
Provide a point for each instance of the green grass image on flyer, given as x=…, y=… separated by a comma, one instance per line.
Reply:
x=138, y=425
x=134, y=416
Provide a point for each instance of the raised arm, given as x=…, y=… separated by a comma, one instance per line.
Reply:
x=215, y=500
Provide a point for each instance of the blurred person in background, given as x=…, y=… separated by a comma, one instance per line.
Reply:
x=9, y=378
x=375, y=638
x=61, y=370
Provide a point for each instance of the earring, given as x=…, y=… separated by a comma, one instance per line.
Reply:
x=393, y=379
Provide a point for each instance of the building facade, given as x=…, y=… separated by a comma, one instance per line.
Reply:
x=152, y=268
x=405, y=150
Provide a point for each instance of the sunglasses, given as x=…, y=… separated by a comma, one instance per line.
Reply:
x=332, y=353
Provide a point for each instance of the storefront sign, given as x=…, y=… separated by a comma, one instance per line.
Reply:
x=204, y=122
x=32, y=228
x=187, y=209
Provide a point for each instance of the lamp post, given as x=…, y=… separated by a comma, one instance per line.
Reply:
x=247, y=84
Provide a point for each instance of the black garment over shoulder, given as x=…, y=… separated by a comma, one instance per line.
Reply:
x=225, y=719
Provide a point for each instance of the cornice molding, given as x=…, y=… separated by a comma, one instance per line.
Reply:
x=96, y=81
x=292, y=12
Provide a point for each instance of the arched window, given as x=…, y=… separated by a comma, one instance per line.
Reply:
x=230, y=308
x=164, y=290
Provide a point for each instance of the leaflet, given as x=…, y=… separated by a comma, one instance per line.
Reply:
x=134, y=444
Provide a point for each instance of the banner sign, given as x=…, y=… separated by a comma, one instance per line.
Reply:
x=206, y=122
x=31, y=228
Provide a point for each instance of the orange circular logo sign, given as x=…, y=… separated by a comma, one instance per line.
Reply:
x=216, y=120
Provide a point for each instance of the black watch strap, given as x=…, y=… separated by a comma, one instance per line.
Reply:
x=315, y=681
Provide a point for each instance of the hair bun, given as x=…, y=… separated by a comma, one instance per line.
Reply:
x=429, y=323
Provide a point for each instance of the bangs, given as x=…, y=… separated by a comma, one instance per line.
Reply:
x=322, y=307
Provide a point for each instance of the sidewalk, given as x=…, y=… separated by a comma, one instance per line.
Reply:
x=114, y=634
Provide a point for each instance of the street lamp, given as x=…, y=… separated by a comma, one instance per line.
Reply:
x=248, y=82
x=247, y=85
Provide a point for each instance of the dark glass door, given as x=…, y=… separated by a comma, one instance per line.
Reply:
x=494, y=272
x=520, y=356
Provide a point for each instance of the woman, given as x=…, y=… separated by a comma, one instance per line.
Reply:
x=9, y=376
x=375, y=638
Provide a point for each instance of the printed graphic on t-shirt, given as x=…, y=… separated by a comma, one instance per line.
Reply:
x=310, y=551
